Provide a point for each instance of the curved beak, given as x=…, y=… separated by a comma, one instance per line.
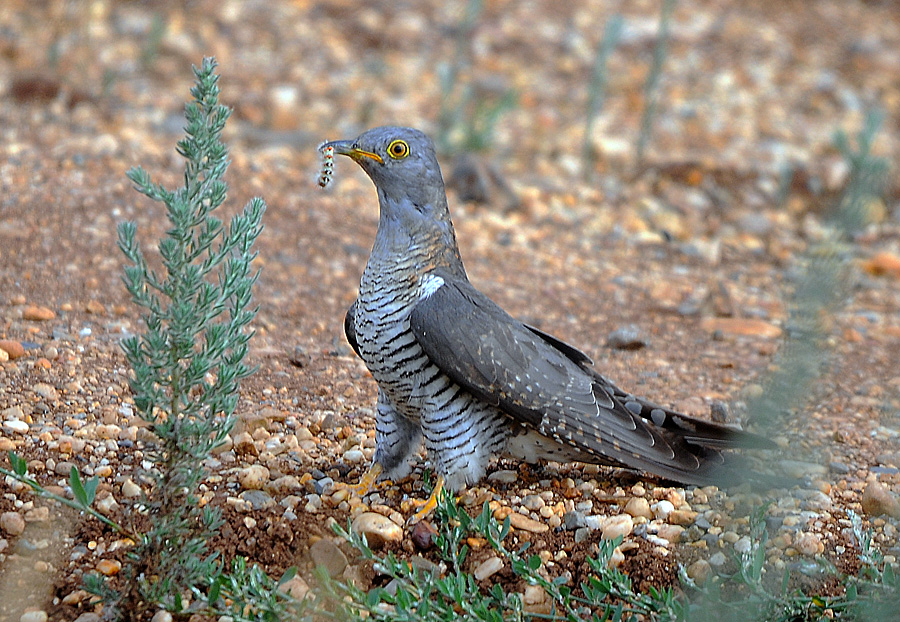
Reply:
x=349, y=149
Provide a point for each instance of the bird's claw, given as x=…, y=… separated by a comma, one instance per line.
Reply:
x=425, y=507
x=367, y=483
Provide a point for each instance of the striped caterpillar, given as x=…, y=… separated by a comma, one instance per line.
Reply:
x=327, y=165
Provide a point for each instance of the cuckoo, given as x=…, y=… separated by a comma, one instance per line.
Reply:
x=459, y=374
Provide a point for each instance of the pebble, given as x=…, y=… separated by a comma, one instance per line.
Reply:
x=161, y=616
x=627, y=338
x=323, y=486
x=34, y=616
x=883, y=264
x=838, y=467
x=877, y=501
x=258, y=499
x=326, y=554
x=105, y=505
x=423, y=534
x=377, y=529
x=37, y=313
x=74, y=597
x=313, y=503
x=615, y=526
x=488, y=567
x=533, y=502
x=13, y=349
x=109, y=567
x=662, y=509
x=816, y=500
x=582, y=534
x=354, y=456
x=13, y=412
x=520, y=521
x=296, y=588
x=681, y=517
x=699, y=571
x=503, y=477
x=46, y=391
x=244, y=445
x=616, y=559
x=808, y=544
x=253, y=477
x=573, y=520
x=743, y=545
x=638, y=506
x=799, y=469
x=63, y=468
x=12, y=523
x=131, y=490
x=718, y=559
x=534, y=595
x=15, y=426
x=285, y=484
x=227, y=444
x=740, y=327
x=672, y=533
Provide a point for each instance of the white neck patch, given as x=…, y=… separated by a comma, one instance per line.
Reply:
x=430, y=284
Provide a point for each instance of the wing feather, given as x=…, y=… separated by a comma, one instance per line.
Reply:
x=549, y=385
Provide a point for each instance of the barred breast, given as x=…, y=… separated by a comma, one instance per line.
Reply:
x=460, y=432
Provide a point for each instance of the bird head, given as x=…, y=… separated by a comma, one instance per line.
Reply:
x=401, y=163
x=414, y=216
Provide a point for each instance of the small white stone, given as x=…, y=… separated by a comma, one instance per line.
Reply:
x=615, y=526
x=638, y=506
x=15, y=426
x=33, y=616
x=161, y=616
x=253, y=477
x=743, y=545
x=662, y=509
x=106, y=504
x=296, y=588
x=130, y=489
x=488, y=567
x=353, y=456
x=534, y=595
x=808, y=543
x=378, y=529
x=616, y=559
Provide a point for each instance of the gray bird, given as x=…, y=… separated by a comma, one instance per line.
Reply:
x=457, y=371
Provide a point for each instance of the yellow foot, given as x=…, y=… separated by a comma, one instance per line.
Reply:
x=427, y=506
x=368, y=482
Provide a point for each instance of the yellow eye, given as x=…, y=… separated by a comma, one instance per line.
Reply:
x=398, y=149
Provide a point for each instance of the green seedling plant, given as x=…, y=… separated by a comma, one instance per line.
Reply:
x=651, y=85
x=467, y=119
x=188, y=364
x=597, y=89
x=187, y=368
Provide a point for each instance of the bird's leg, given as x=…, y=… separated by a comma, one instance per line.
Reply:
x=368, y=482
x=427, y=506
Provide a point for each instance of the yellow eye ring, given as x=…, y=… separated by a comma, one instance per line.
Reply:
x=398, y=149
